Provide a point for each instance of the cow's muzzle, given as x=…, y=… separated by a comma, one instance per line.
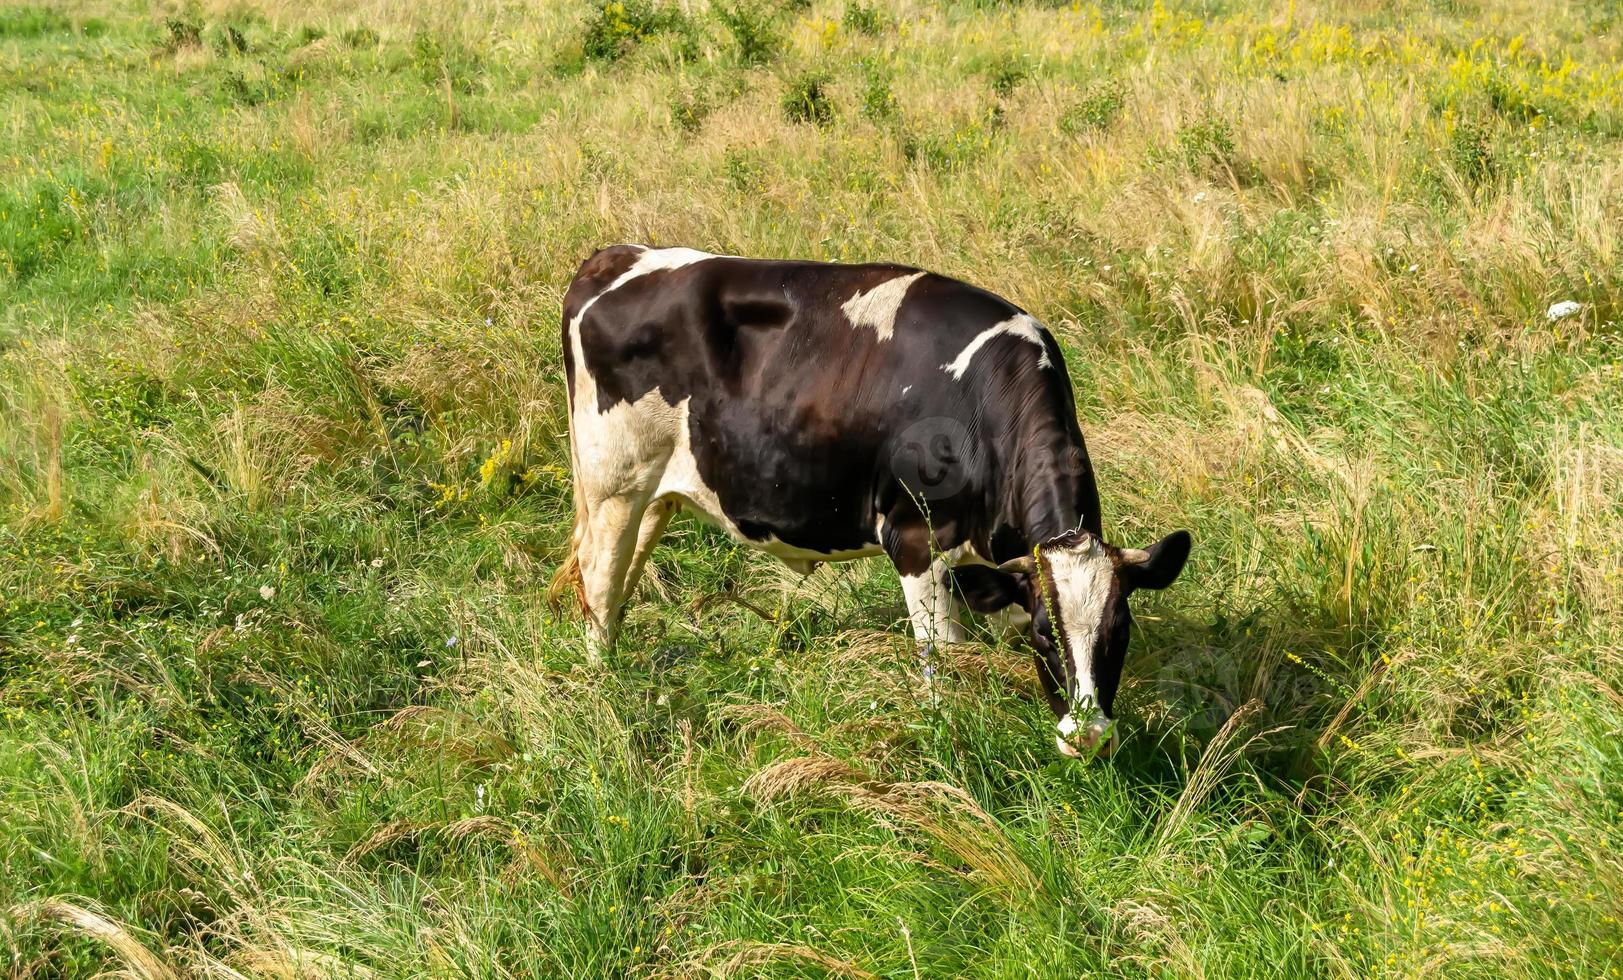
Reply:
x=1096, y=738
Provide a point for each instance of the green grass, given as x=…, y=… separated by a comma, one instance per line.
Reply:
x=283, y=479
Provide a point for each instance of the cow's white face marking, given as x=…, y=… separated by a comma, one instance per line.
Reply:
x=877, y=307
x=1082, y=577
x=1021, y=325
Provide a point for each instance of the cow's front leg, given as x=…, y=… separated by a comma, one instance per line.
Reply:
x=933, y=611
x=930, y=604
x=926, y=586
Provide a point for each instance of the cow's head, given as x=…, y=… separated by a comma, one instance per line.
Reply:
x=1075, y=589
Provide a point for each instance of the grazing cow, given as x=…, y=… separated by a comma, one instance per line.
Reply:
x=824, y=412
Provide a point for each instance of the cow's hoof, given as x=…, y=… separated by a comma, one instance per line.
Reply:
x=926, y=655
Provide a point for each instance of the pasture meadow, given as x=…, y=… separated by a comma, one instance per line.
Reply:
x=283, y=477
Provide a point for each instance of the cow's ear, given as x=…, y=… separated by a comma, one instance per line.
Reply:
x=986, y=589
x=1157, y=567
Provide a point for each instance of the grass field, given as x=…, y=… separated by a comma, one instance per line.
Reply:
x=283, y=477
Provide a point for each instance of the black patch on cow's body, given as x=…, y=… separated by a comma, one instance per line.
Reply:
x=803, y=423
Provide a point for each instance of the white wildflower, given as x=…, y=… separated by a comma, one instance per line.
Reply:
x=267, y=592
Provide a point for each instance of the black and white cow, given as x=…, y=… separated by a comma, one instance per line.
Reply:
x=824, y=412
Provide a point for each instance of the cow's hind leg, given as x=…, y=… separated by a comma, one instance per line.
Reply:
x=609, y=543
x=653, y=524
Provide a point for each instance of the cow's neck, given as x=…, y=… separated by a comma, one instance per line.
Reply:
x=1053, y=482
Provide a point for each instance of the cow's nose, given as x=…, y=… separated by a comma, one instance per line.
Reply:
x=1096, y=738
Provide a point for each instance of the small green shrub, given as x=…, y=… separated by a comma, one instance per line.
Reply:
x=743, y=172
x=248, y=88
x=1007, y=72
x=1207, y=144
x=861, y=18
x=807, y=100
x=617, y=27
x=947, y=151
x=878, y=100
x=360, y=37
x=437, y=60
x=1470, y=152
x=182, y=33
x=689, y=108
x=1100, y=106
x=755, y=40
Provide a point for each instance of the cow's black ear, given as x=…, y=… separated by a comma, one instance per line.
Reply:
x=986, y=589
x=1159, y=565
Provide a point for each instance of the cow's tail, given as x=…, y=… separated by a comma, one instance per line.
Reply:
x=567, y=576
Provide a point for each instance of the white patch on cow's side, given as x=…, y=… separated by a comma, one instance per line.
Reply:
x=1082, y=578
x=681, y=477
x=787, y=552
x=877, y=307
x=622, y=450
x=906, y=389
x=1021, y=325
